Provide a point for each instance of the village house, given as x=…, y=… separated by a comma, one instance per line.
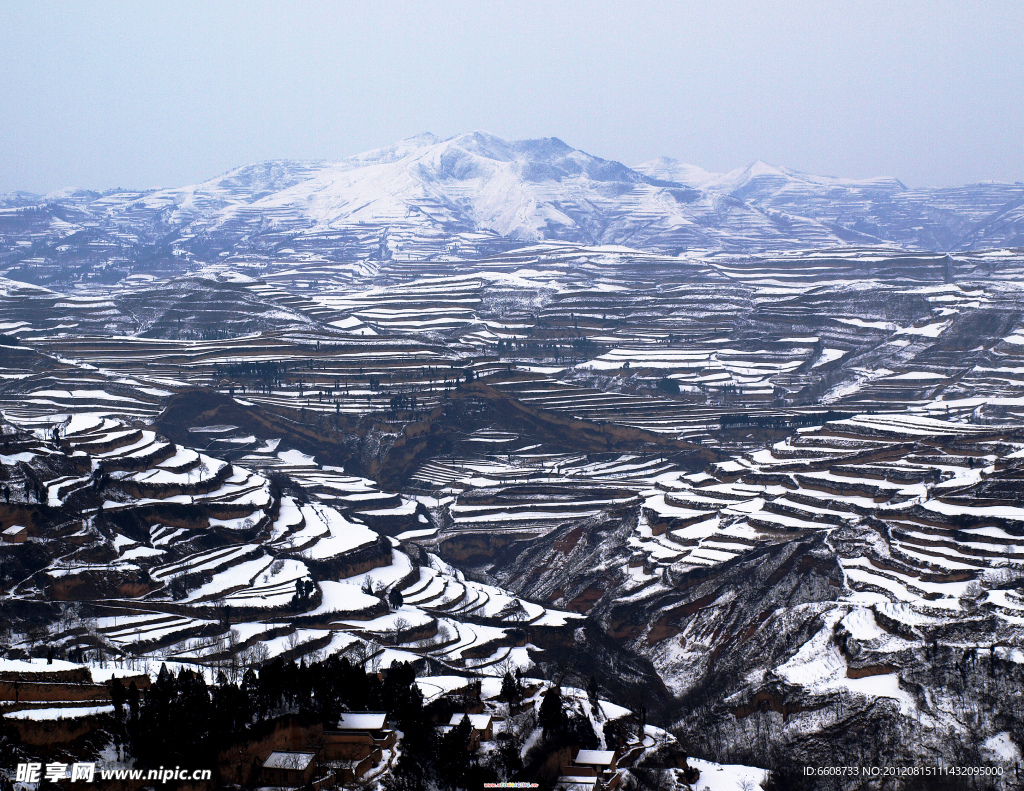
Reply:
x=288, y=769
x=15, y=534
x=576, y=783
x=482, y=724
x=590, y=767
x=358, y=735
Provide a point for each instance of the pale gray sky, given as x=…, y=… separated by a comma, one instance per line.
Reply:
x=104, y=94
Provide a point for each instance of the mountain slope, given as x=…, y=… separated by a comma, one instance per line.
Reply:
x=477, y=194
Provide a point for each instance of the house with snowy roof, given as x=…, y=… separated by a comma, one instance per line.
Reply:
x=15, y=534
x=358, y=735
x=289, y=769
x=597, y=765
x=482, y=724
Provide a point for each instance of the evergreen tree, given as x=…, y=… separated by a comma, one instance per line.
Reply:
x=174, y=724
x=552, y=715
x=230, y=706
x=408, y=774
x=133, y=701
x=511, y=689
x=453, y=758
x=8, y=741
x=118, y=696
x=508, y=761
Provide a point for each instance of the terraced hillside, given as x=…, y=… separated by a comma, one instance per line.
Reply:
x=779, y=493
x=860, y=578
x=184, y=557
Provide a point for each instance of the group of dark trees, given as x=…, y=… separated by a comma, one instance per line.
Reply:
x=575, y=348
x=34, y=488
x=304, y=590
x=402, y=402
x=443, y=758
x=784, y=421
x=183, y=720
x=213, y=334
x=563, y=725
x=267, y=374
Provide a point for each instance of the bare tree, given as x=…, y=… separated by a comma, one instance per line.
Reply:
x=374, y=655
x=233, y=638
x=255, y=655
x=260, y=652
x=398, y=627
x=70, y=616
x=358, y=653
x=507, y=665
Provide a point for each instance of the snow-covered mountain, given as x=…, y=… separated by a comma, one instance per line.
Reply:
x=476, y=193
x=527, y=190
x=971, y=217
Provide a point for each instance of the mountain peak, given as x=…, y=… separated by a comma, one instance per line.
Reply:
x=761, y=168
x=669, y=169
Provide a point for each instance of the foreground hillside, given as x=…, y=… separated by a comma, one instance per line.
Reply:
x=859, y=578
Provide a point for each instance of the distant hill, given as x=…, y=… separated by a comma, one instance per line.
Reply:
x=476, y=194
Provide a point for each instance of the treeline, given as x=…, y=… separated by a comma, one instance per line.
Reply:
x=783, y=421
x=580, y=347
x=269, y=373
x=184, y=721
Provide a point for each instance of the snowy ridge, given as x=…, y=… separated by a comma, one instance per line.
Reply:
x=474, y=194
